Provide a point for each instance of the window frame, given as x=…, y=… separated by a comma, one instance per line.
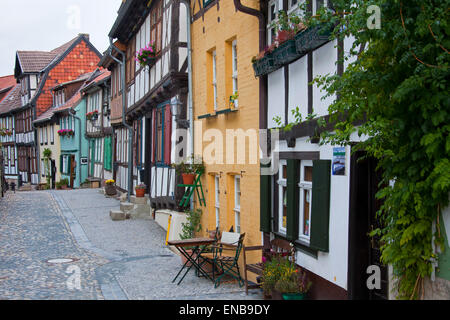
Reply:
x=234, y=63
x=280, y=184
x=304, y=185
x=214, y=79
x=237, y=204
x=217, y=199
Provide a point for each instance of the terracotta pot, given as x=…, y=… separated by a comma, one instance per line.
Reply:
x=140, y=193
x=110, y=190
x=188, y=178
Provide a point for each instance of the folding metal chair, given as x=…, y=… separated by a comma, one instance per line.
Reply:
x=227, y=264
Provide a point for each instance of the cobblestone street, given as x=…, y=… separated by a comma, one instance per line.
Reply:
x=117, y=260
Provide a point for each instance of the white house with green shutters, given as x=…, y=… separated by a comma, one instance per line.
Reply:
x=321, y=198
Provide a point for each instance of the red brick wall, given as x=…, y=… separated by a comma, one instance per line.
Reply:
x=82, y=59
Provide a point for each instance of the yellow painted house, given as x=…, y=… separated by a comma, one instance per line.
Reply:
x=226, y=114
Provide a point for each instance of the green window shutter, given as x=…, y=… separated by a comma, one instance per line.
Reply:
x=107, y=154
x=292, y=199
x=320, y=210
x=265, y=202
x=61, y=164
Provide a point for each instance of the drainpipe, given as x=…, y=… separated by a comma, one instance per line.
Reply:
x=124, y=102
x=74, y=114
x=190, y=99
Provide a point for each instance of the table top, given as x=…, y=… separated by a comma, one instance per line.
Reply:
x=191, y=242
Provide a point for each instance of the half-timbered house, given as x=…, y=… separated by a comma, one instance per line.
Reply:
x=38, y=72
x=319, y=197
x=157, y=93
x=9, y=102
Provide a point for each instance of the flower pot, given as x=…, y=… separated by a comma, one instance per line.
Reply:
x=110, y=190
x=188, y=178
x=294, y=296
x=285, y=53
x=140, y=193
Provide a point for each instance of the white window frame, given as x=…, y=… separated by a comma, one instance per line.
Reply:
x=325, y=4
x=304, y=185
x=237, y=204
x=282, y=183
x=214, y=82
x=270, y=20
x=217, y=199
x=52, y=133
x=235, y=65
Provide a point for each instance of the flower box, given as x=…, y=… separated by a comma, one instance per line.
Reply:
x=285, y=53
x=264, y=65
x=92, y=116
x=312, y=38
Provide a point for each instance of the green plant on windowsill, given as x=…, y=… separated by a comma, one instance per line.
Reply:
x=234, y=100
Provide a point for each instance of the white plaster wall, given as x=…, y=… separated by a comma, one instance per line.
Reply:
x=298, y=87
x=324, y=63
x=275, y=97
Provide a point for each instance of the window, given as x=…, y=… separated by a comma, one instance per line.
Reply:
x=214, y=79
x=282, y=196
x=217, y=199
x=156, y=25
x=52, y=134
x=159, y=135
x=272, y=17
x=237, y=203
x=318, y=4
x=45, y=135
x=305, y=187
x=235, y=70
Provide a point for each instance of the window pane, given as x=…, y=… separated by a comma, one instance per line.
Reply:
x=284, y=223
x=308, y=174
x=307, y=199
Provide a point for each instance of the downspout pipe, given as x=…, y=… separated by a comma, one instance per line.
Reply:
x=74, y=114
x=190, y=82
x=124, y=105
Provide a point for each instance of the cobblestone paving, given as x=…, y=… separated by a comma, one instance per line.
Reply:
x=32, y=231
x=118, y=260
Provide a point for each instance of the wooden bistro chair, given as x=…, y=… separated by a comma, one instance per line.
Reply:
x=225, y=256
x=278, y=247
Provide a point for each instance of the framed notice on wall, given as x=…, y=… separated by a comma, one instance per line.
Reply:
x=339, y=155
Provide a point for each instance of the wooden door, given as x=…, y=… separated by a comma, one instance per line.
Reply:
x=364, y=251
x=73, y=165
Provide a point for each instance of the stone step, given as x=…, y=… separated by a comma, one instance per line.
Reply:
x=137, y=200
x=126, y=206
x=117, y=215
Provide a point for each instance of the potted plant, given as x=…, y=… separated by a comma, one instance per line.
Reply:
x=147, y=56
x=191, y=227
x=92, y=116
x=234, y=100
x=188, y=169
x=110, y=187
x=293, y=285
x=62, y=184
x=140, y=190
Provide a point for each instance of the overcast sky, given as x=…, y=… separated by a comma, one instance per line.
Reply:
x=43, y=25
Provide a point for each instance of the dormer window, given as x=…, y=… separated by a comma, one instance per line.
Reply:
x=59, y=98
